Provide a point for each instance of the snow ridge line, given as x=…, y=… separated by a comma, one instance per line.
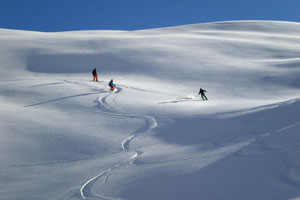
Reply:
x=151, y=123
x=57, y=161
x=49, y=163
x=217, y=153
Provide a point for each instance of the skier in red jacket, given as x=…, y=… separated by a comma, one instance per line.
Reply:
x=95, y=75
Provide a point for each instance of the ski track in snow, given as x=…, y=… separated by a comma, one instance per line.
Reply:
x=86, y=188
x=126, y=141
x=151, y=123
x=288, y=127
x=104, y=104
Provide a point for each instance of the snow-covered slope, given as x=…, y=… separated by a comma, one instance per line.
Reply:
x=66, y=137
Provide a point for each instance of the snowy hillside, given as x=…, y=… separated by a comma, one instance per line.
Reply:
x=63, y=136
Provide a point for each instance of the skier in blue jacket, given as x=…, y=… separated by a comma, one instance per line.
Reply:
x=111, y=85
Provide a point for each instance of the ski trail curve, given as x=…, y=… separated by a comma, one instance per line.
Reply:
x=104, y=105
x=86, y=189
x=126, y=141
x=151, y=123
x=135, y=157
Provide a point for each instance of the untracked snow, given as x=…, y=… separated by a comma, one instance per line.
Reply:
x=63, y=136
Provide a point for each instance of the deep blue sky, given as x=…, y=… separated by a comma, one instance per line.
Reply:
x=63, y=15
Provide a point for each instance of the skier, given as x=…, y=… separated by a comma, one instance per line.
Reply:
x=202, y=94
x=111, y=85
x=95, y=75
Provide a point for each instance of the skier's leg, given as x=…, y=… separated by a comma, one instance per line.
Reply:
x=202, y=96
x=205, y=97
x=96, y=78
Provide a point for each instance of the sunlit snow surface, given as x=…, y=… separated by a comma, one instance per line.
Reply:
x=64, y=136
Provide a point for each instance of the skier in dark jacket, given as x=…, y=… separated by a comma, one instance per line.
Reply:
x=202, y=94
x=95, y=75
x=111, y=85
